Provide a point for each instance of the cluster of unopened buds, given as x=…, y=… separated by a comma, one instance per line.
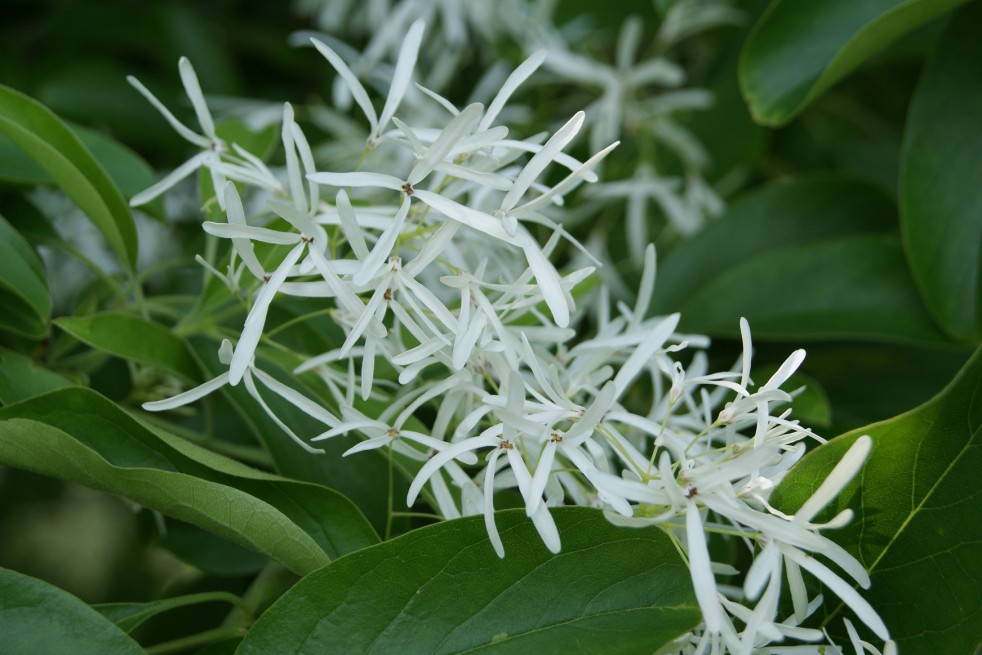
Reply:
x=436, y=254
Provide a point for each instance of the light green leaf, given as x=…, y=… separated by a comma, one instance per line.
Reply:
x=940, y=195
x=134, y=338
x=76, y=434
x=25, y=303
x=800, y=48
x=50, y=143
x=441, y=589
x=918, y=516
x=800, y=259
x=36, y=617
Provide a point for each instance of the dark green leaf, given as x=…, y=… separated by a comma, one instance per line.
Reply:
x=918, y=515
x=800, y=48
x=50, y=143
x=22, y=378
x=87, y=439
x=129, y=616
x=941, y=198
x=36, y=617
x=442, y=589
x=23, y=286
x=799, y=259
x=134, y=338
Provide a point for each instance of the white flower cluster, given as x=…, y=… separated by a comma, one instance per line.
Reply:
x=437, y=256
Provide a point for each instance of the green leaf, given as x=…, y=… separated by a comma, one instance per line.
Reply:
x=800, y=259
x=442, y=589
x=940, y=196
x=36, y=617
x=52, y=144
x=800, y=48
x=22, y=378
x=918, y=516
x=25, y=303
x=134, y=338
x=76, y=434
x=130, y=616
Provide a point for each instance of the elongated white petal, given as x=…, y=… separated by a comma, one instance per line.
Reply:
x=444, y=456
x=377, y=180
x=349, y=225
x=470, y=217
x=832, y=486
x=571, y=180
x=548, y=278
x=435, y=245
x=542, y=471
x=357, y=90
x=700, y=567
x=593, y=414
x=785, y=371
x=169, y=180
x=489, y=524
x=256, y=319
x=179, y=127
x=519, y=75
x=842, y=589
x=383, y=247
x=645, y=351
x=346, y=297
x=265, y=235
x=251, y=388
x=297, y=399
x=448, y=138
x=542, y=159
x=761, y=570
x=236, y=216
x=193, y=89
x=188, y=396
x=402, y=75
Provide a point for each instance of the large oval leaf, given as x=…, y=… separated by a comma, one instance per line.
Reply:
x=800, y=48
x=808, y=258
x=48, y=141
x=36, y=617
x=25, y=304
x=442, y=589
x=918, y=516
x=940, y=195
x=134, y=338
x=78, y=435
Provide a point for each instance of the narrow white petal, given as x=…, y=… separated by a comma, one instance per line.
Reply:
x=700, y=567
x=188, y=396
x=357, y=90
x=170, y=180
x=832, y=486
x=541, y=159
x=571, y=180
x=645, y=351
x=377, y=180
x=236, y=216
x=548, y=278
x=542, y=471
x=297, y=399
x=448, y=138
x=265, y=235
x=180, y=128
x=470, y=217
x=251, y=333
x=444, y=456
x=843, y=590
x=402, y=75
x=251, y=388
x=489, y=524
x=193, y=89
x=349, y=225
x=593, y=414
x=383, y=247
x=519, y=75
x=368, y=444
x=785, y=371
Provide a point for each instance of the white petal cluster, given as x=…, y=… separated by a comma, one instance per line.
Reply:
x=437, y=256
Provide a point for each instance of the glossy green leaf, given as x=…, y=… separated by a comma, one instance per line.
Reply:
x=801, y=259
x=130, y=616
x=22, y=378
x=25, y=303
x=800, y=48
x=441, y=589
x=52, y=144
x=134, y=338
x=36, y=617
x=78, y=435
x=918, y=516
x=941, y=198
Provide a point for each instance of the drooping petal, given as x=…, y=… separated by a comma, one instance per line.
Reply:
x=187, y=397
x=357, y=90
